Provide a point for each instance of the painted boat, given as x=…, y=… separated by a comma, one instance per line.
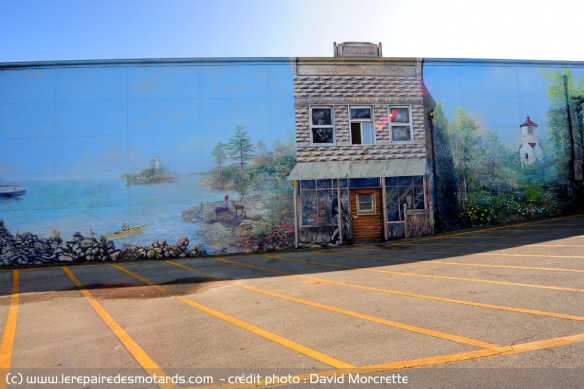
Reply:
x=122, y=234
x=12, y=190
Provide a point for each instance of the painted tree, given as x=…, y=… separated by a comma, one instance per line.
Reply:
x=465, y=142
x=446, y=184
x=220, y=156
x=561, y=89
x=241, y=149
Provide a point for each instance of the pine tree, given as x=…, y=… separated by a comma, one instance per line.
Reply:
x=240, y=148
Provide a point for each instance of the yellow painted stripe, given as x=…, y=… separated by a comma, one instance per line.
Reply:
x=400, y=293
x=425, y=331
x=137, y=352
x=191, y=269
x=509, y=245
x=9, y=332
x=465, y=237
x=248, y=327
x=483, y=254
x=506, y=350
x=311, y=262
x=438, y=262
x=428, y=361
x=441, y=236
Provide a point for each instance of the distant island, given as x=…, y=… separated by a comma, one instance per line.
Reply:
x=154, y=174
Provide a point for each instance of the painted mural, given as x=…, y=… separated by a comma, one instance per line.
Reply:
x=160, y=159
x=122, y=161
x=505, y=137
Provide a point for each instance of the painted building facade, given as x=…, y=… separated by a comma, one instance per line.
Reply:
x=361, y=136
x=86, y=146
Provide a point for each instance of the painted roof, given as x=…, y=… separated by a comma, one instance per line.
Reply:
x=528, y=122
x=358, y=169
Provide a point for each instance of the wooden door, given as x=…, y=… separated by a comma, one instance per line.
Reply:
x=367, y=215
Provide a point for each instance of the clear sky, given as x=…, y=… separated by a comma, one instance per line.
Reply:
x=45, y=30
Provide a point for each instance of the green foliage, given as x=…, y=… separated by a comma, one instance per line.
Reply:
x=561, y=88
x=446, y=180
x=486, y=208
x=490, y=186
x=219, y=154
x=481, y=208
x=240, y=147
x=151, y=175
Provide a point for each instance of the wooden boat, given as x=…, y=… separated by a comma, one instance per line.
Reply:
x=124, y=233
x=12, y=190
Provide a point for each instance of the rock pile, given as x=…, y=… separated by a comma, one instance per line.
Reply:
x=29, y=249
x=161, y=250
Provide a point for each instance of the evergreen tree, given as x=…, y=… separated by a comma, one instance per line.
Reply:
x=240, y=148
x=446, y=183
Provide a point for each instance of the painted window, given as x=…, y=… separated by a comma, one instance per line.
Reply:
x=362, y=126
x=322, y=130
x=316, y=197
x=400, y=124
x=400, y=191
x=530, y=130
x=365, y=203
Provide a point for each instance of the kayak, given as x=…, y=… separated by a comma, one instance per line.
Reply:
x=122, y=234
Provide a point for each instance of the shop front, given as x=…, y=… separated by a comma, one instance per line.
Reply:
x=380, y=200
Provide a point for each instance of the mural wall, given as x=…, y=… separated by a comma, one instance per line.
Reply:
x=505, y=137
x=127, y=160
x=130, y=160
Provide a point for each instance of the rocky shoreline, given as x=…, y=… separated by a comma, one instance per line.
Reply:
x=28, y=249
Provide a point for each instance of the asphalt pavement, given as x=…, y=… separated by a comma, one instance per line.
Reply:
x=495, y=307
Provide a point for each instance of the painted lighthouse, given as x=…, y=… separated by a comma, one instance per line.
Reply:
x=530, y=149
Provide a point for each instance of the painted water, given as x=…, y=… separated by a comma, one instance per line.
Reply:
x=102, y=205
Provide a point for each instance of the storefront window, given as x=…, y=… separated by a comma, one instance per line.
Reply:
x=316, y=197
x=400, y=191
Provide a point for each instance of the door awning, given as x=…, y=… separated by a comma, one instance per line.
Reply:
x=358, y=169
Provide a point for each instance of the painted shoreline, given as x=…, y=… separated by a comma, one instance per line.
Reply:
x=29, y=249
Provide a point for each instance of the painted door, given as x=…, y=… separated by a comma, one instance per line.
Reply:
x=367, y=215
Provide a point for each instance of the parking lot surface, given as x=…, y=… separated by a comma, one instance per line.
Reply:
x=481, y=308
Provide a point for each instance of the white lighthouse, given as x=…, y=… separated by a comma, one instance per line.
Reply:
x=530, y=149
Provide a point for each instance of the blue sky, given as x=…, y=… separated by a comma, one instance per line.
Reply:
x=179, y=113
x=78, y=122
x=41, y=30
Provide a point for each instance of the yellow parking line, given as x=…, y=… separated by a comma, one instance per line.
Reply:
x=482, y=254
x=508, y=245
x=421, y=330
x=9, y=331
x=191, y=269
x=137, y=352
x=425, y=331
x=400, y=293
x=423, y=362
x=505, y=350
x=246, y=326
x=497, y=228
x=461, y=253
x=426, y=275
x=438, y=262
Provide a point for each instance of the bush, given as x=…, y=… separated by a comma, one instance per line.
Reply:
x=271, y=236
x=485, y=208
